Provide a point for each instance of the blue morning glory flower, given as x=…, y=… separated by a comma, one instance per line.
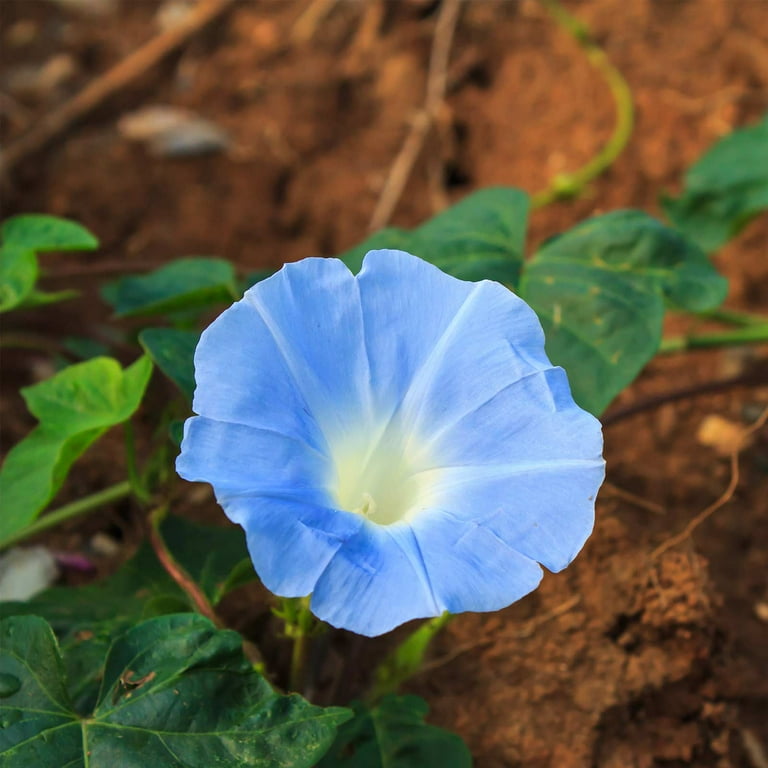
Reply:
x=396, y=443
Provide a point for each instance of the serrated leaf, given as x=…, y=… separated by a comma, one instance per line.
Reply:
x=74, y=408
x=600, y=291
x=18, y=275
x=393, y=734
x=184, y=284
x=724, y=190
x=173, y=352
x=176, y=692
x=86, y=619
x=40, y=232
x=481, y=237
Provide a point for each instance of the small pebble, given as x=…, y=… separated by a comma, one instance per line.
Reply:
x=173, y=132
x=25, y=572
x=721, y=434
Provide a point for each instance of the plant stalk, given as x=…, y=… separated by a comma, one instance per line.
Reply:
x=567, y=185
x=188, y=585
x=747, y=334
x=69, y=511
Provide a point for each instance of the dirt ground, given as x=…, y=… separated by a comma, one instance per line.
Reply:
x=625, y=660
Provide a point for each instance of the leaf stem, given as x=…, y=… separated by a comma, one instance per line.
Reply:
x=137, y=485
x=732, y=317
x=189, y=586
x=567, y=185
x=748, y=334
x=177, y=571
x=69, y=511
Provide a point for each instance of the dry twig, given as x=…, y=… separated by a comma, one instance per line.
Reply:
x=125, y=72
x=724, y=498
x=755, y=377
x=633, y=498
x=524, y=631
x=437, y=78
x=306, y=25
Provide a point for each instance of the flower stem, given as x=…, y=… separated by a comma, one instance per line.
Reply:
x=732, y=317
x=69, y=511
x=748, y=334
x=298, y=662
x=406, y=659
x=298, y=625
x=568, y=185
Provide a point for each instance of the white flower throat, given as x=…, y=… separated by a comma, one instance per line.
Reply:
x=378, y=475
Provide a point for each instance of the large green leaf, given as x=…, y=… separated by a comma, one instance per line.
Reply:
x=88, y=618
x=173, y=352
x=725, y=189
x=393, y=734
x=481, y=237
x=176, y=692
x=184, y=284
x=600, y=291
x=74, y=408
x=40, y=232
x=18, y=275
x=21, y=237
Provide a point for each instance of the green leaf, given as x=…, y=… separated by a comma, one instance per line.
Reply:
x=74, y=408
x=600, y=292
x=86, y=619
x=176, y=692
x=21, y=237
x=18, y=275
x=173, y=352
x=393, y=734
x=724, y=190
x=183, y=284
x=40, y=232
x=481, y=237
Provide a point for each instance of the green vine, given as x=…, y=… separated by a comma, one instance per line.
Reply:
x=569, y=185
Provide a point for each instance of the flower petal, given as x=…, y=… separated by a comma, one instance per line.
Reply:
x=291, y=540
x=544, y=511
x=469, y=567
x=375, y=582
x=312, y=310
x=238, y=459
x=494, y=341
x=533, y=419
x=408, y=305
x=243, y=378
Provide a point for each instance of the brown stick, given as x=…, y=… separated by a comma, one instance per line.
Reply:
x=126, y=71
x=422, y=122
x=753, y=378
x=724, y=498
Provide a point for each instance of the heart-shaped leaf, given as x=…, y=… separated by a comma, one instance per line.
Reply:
x=74, y=407
x=481, y=237
x=725, y=189
x=176, y=692
x=40, y=232
x=393, y=734
x=600, y=292
x=173, y=351
x=88, y=618
x=184, y=284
